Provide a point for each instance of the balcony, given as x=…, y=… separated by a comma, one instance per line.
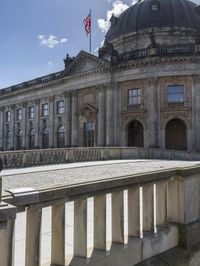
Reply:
x=121, y=212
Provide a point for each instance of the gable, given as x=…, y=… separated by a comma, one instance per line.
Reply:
x=85, y=62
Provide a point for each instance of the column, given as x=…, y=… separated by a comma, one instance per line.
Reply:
x=12, y=127
x=152, y=113
x=23, y=125
x=101, y=116
x=51, y=122
x=118, y=219
x=196, y=113
x=117, y=115
x=109, y=116
x=74, y=117
x=80, y=228
x=67, y=119
x=58, y=235
x=33, y=236
x=37, y=118
x=1, y=128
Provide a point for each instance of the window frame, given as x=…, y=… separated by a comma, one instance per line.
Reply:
x=31, y=112
x=179, y=96
x=8, y=116
x=89, y=134
x=19, y=114
x=45, y=109
x=60, y=107
x=138, y=96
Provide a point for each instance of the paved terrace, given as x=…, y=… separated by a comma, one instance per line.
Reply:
x=45, y=177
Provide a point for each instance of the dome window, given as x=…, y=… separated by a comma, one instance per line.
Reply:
x=155, y=6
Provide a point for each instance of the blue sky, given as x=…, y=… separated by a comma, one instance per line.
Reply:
x=36, y=35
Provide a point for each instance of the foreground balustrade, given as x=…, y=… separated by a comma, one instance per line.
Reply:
x=133, y=218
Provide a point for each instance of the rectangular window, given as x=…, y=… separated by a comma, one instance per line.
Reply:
x=8, y=116
x=89, y=134
x=19, y=114
x=45, y=109
x=60, y=107
x=134, y=96
x=31, y=112
x=175, y=93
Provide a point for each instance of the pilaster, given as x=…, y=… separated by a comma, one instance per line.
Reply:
x=101, y=116
x=74, y=118
x=109, y=115
x=68, y=115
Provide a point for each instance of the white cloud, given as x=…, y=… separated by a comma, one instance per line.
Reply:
x=117, y=8
x=51, y=41
x=49, y=65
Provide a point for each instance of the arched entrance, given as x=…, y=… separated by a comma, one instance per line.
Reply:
x=135, y=134
x=176, y=135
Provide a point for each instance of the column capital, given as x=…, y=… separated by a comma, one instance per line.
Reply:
x=37, y=102
x=67, y=94
x=196, y=78
x=24, y=104
x=153, y=81
x=51, y=99
x=12, y=107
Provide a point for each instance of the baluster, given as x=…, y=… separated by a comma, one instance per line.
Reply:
x=118, y=218
x=80, y=228
x=101, y=225
x=148, y=208
x=134, y=211
x=33, y=236
x=161, y=202
x=58, y=234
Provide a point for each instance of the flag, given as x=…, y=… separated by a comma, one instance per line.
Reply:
x=87, y=23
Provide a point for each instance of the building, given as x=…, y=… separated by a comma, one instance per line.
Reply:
x=142, y=90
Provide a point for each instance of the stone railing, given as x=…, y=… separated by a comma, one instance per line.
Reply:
x=26, y=158
x=121, y=221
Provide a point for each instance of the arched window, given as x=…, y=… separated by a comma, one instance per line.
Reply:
x=176, y=135
x=8, y=140
x=19, y=139
x=61, y=137
x=88, y=134
x=32, y=138
x=135, y=134
x=45, y=138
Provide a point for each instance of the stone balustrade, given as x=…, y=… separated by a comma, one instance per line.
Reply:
x=26, y=158
x=134, y=218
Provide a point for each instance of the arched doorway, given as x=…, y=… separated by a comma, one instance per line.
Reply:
x=176, y=135
x=135, y=134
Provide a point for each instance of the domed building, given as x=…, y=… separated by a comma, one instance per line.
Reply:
x=143, y=90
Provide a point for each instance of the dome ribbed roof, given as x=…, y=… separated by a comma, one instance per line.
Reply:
x=155, y=13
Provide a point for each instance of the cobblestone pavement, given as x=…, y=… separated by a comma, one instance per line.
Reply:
x=66, y=174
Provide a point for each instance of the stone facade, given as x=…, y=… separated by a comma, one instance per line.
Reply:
x=142, y=90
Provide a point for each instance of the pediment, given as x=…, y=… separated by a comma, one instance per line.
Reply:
x=85, y=62
x=87, y=108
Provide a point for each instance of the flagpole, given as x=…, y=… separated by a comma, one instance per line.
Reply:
x=90, y=30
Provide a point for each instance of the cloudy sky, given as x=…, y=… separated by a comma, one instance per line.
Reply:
x=36, y=35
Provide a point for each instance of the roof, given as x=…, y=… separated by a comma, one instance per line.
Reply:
x=155, y=14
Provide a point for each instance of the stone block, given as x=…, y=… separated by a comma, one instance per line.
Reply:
x=155, y=244
x=126, y=255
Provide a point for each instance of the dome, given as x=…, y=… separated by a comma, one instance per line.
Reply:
x=155, y=14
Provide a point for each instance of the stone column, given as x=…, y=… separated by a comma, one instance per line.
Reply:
x=109, y=115
x=74, y=118
x=37, y=125
x=51, y=122
x=101, y=116
x=152, y=113
x=117, y=115
x=33, y=236
x=67, y=119
x=24, y=123
x=118, y=219
x=196, y=113
x=134, y=211
x=58, y=235
x=12, y=127
x=1, y=128
x=80, y=228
